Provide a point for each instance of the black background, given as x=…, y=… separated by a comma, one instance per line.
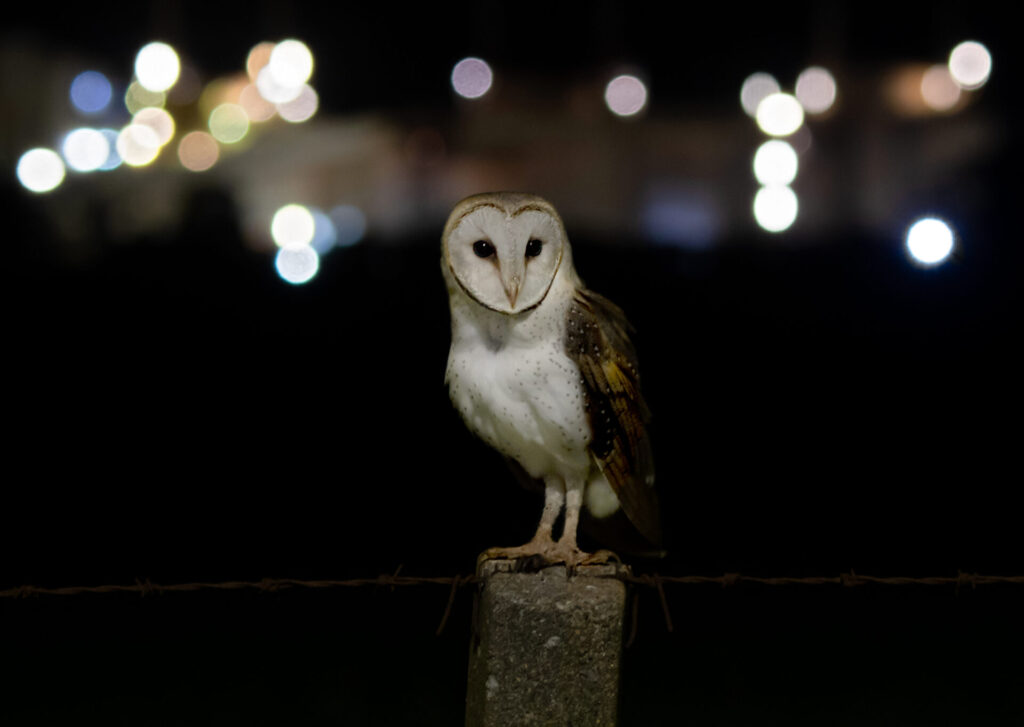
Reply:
x=817, y=408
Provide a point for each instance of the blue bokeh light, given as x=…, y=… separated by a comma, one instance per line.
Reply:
x=91, y=92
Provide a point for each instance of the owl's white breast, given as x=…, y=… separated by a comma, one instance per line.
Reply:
x=515, y=387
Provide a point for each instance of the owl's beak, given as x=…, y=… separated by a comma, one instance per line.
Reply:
x=512, y=289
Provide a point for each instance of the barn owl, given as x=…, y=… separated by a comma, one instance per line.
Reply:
x=543, y=370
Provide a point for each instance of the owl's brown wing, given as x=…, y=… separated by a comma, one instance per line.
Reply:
x=598, y=341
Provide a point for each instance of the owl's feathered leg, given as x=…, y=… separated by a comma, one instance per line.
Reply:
x=566, y=550
x=543, y=547
x=542, y=542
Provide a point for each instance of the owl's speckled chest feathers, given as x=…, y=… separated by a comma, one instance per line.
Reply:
x=515, y=387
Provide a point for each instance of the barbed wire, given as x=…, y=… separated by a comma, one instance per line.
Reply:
x=454, y=583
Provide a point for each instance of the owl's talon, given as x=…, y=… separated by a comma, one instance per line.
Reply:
x=537, y=555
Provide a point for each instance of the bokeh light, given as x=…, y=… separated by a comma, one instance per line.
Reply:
x=680, y=215
x=349, y=224
x=229, y=123
x=472, y=77
x=113, y=160
x=816, y=90
x=756, y=87
x=779, y=114
x=198, y=151
x=301, y=108
x=291, y=63
x=256, y=107
x=625, y=95
x=292, y=227
x=325, y=235
x=938, y=89
x=929, y=241
x=970, y=64
x=258, y=58
x=85, y=150
x=138, y=97
x=138, y=145
x=273, y=90
x=40, y=170
x=158, y=120
x=297, y=266
x=775, y=162
x=91, y=92
x=775, y=208
x=157, y=66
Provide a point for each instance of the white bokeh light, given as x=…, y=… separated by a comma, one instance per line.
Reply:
x=625, y=95
x=775, y=208
x=775, y=162
x=779, y=114
x=816, y=90
x=40, y=170
x=970, y=64
x=472, y=77
x=297, y=266
x=293, y=227
x=929, y=241
x=301, y=108
x=157, y=66
x=273, y=90
x=158, y=120
x=85, y=150
x=938, y=89
x=754, y=90
x=291, y=63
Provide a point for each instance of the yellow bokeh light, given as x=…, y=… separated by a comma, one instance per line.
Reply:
x=198, y=151
x=229, y=123
x=40, y=170
x=157, y=66
x=227, y=89
x=138, y=145
x=138, y=97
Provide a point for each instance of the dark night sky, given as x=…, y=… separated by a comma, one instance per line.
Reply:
x=819, y=408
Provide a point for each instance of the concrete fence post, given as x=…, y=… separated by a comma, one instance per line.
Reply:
x=547, y=647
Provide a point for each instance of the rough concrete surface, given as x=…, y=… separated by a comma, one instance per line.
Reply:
x=547, y=647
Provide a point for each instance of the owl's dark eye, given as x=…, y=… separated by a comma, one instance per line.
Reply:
x=533, y=248
x=482, y=248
